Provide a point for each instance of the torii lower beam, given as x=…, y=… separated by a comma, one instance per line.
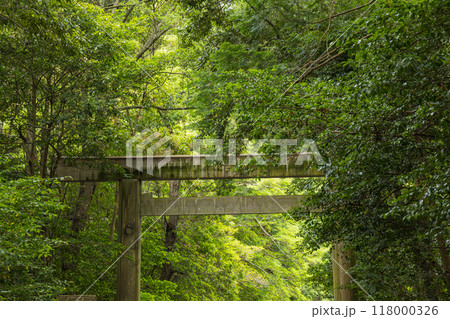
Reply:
x=223, y=205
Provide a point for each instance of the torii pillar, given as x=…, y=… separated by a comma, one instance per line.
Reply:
x=342, y=261
x=129, y=266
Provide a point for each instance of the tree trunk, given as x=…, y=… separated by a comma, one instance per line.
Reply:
x=80, y=214
x=171, y=233
x=443, y=252
x=112, y=226
x=29, y=142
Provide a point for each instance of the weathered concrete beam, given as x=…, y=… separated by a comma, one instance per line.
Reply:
x=182, y=167
x=224, y=205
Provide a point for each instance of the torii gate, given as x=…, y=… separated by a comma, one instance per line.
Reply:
x=133, y=204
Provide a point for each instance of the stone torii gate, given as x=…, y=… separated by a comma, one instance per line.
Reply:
x=133, y=204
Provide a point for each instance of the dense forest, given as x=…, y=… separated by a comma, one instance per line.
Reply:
x=367, y=80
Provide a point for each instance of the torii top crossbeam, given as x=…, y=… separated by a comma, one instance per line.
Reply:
x=184, y=167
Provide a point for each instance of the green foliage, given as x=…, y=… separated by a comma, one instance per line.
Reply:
x=87, y=255
x=29, y=210
x=226, y=259
x=378, y=111
x=57, y=93
x=386, y=192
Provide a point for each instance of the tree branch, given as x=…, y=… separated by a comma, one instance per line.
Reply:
x=267, y=20
x=345, y=12
x=117, y=6
x=307, y=72
x=143, y=107
x=316, y=67
x=127, y=14
x=151, y=41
